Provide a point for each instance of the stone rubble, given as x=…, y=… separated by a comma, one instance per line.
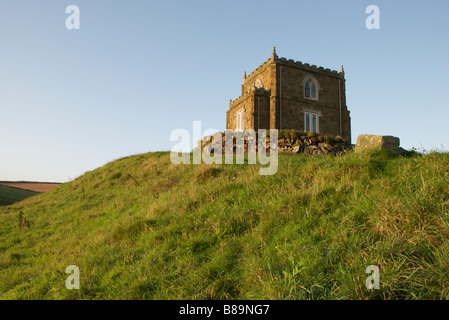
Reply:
x=291, y=141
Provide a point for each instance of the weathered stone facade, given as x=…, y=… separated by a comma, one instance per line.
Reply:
x=287, y=94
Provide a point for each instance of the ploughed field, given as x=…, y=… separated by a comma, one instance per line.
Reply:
x=12, y=192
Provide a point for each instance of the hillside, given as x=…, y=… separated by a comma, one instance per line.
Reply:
x=144, y=228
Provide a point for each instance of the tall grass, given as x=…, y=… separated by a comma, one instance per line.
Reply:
x=144, y=228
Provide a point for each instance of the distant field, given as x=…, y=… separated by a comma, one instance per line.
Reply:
x=10, y=195
x=12, y=192
x=40, y=187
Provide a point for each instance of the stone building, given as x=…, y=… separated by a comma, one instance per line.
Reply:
x=287, y=94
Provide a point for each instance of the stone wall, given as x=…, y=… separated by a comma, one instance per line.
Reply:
x=290, y=141
x=293, y=141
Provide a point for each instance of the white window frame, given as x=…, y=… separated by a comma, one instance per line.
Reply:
x=240, y=116
x=311, y=116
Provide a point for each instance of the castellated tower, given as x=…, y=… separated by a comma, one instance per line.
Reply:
x=287, y=94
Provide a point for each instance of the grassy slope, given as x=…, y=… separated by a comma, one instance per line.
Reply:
x=141, y=227
x=10, y=195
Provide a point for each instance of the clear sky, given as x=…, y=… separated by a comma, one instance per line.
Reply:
x=73, y=100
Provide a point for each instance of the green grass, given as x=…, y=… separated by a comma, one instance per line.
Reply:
x=143, y=228
x=10, y=195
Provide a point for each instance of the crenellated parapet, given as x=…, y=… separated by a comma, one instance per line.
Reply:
x=310, y=68
x=292, y=63
x=247, y=94
x=256, y=71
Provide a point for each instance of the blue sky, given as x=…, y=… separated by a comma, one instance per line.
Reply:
x=73, y=100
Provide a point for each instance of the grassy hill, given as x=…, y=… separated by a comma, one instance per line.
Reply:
x=10, y=195
x=144, y=228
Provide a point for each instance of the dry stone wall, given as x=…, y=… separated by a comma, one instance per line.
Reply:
x=289, y=141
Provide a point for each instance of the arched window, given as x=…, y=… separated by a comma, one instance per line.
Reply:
x=310, y=88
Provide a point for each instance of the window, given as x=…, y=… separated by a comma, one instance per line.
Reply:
x=240, y=121
x=311, y=122
x=310, y=89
